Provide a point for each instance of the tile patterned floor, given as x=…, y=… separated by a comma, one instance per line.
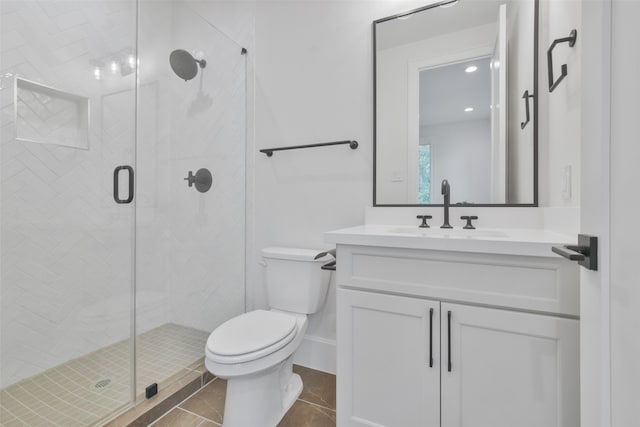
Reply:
x=316, y=406
x=68, y=396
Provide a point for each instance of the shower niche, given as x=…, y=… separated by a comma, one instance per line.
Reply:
x=47, y=115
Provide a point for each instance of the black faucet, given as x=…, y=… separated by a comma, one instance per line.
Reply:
x=446, y=192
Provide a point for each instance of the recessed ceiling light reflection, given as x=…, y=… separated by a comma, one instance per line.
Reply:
x=468, y=109
x=471, y=69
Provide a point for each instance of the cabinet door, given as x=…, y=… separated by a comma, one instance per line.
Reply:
x=388, y=360
x=508, y=369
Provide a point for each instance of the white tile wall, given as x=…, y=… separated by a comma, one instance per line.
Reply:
x=66, y=246
x=208, y=131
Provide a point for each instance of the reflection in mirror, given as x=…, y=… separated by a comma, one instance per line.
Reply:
x=449, y=104
x=454, y=117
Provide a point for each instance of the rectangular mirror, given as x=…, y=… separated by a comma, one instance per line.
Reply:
x=455, y=99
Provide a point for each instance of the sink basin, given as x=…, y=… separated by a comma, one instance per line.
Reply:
x=449, y=233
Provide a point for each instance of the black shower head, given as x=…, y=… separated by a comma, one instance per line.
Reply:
x=184, y=64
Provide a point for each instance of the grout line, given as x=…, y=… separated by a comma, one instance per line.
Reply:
x=18, y=418
x=196, y=414
x=81, y=397
x=44, y=403
x=315, y=404
x=205, y=419
x=209, y=382
x=214, y=423
x=177, y=405
x=157, y=419
x=55, y=391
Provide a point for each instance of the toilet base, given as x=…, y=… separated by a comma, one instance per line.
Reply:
x=263, y=398
x=292, y=393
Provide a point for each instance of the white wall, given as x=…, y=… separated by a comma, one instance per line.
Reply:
x=625, y=174
x=460, y=153
x=520, y=78
x=559, y=127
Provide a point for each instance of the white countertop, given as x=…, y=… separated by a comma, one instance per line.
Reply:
x=507, y=241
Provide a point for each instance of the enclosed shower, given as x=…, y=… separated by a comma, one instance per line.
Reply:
x=113, y=268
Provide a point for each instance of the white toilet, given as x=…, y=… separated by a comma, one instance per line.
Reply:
x=254, y=351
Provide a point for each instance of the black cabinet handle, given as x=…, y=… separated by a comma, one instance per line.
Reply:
x=449, y=340
x=116, y=184
x=526, y=97
x=563, y=69
x=431, y=337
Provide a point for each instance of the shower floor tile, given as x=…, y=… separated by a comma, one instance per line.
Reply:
x=86, y=390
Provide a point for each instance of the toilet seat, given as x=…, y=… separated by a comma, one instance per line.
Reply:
x=251, y=336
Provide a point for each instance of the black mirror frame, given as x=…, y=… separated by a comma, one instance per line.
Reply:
x=535, y=113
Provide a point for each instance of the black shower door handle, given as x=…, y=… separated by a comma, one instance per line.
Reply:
x=116, y=184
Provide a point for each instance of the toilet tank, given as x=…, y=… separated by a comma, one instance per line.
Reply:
x=294, y=280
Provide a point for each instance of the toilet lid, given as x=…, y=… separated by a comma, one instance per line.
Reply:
x=252, y=332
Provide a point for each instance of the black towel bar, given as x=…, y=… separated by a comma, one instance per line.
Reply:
x=269, y=151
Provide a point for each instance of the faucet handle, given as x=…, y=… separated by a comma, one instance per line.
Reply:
x=424, y=220
x=191, y=178
x=469, y=226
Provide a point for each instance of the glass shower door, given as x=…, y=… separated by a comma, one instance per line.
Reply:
x=68, y=97
x=190, y=245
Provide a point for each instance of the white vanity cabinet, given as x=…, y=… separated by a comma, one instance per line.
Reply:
x=452, y=339
x=508, y=368
x=384, y=373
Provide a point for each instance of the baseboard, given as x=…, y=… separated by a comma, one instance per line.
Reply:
x=317, y=353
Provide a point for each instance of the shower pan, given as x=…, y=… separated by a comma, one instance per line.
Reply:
x=112, y=271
